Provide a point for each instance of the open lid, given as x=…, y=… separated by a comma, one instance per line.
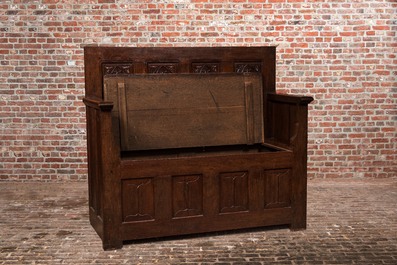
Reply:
x=186, y=110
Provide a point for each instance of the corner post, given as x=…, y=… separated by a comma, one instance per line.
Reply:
x=111, y=197
x=299, y=168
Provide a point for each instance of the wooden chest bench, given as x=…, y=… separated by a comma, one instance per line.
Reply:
x=191, y=140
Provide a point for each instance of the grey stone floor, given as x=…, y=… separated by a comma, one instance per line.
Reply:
x=349, y=222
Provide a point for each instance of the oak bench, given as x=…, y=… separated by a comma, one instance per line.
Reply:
x=185, y=140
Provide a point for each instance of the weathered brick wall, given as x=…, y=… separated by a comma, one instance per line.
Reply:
x=342, y=52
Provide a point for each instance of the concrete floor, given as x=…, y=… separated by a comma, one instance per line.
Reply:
x=349, y=222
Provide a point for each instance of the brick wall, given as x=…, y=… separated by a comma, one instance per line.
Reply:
x=341, y=52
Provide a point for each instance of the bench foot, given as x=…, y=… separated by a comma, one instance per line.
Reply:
x=112, y=245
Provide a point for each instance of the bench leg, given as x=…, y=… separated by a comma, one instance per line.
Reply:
x=298, y=225
x=112, y=244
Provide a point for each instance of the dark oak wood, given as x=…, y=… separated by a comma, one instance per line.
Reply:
x=191, y=140
x=186, y=110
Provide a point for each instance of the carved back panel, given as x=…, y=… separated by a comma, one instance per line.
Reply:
x=108, y=61
x=111, y=71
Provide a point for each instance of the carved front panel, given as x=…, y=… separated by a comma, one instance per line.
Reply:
x=233, y=192
x=138, y=200
x=187, y=195
x=277, y=188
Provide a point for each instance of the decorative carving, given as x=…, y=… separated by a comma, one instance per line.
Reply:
x=187, y=195
x=162, y=68
x=277, y=188
x=248, y=67
x=205, y=68
x=117, y=69
x=233, y=192
x=138, y=200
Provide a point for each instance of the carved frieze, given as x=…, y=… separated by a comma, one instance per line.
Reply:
x=117, y=69
x=248, y=67
x=205, y=68
x=162, y=68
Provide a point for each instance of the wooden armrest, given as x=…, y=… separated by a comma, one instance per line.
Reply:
x=286, y=119
x=292, y=99
x=98, y=104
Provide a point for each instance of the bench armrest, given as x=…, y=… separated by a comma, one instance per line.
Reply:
x=286, y=120
x=98, y=104
x=290, y=99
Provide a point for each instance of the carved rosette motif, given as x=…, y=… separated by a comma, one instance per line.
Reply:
x=247, y=67
x=205, y=68
x=117, y=69
x=162, y=68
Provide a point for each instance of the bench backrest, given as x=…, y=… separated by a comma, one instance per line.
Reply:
x=157, y=111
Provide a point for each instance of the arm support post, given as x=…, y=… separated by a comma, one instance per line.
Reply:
x=287, y=127
x=103, y=172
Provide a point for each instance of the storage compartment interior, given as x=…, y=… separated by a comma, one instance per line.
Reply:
x=199, y=151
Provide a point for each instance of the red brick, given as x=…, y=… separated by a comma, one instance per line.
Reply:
x=325, y=49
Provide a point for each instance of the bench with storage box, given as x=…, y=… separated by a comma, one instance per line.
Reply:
x=185, y=140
